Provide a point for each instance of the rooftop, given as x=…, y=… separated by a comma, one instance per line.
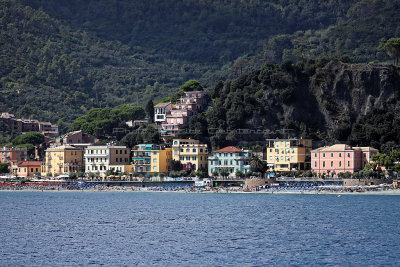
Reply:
x=30, y=163
x=162, y=105
x=231, y=149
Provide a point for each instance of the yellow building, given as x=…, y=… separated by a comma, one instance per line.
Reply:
x=151, y=158
x=27, y=168
x=190, y=153
x=63, y=160
x=288, y=154
x=160, y=160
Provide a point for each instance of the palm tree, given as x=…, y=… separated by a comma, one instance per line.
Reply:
x=257, y=165
x=224, y=173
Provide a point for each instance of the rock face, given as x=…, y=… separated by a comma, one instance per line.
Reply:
x=346, y=91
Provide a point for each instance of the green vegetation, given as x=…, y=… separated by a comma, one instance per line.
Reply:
x=392, y=47
x=192, y=85
x=32, y=138
x=61, y=59
x=4, y=168
x=103, y=122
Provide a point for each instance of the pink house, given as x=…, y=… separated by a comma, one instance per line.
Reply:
x=340, y=158
x=180, y=112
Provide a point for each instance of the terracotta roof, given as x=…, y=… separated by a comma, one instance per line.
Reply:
x=162, y=104
x=229, y=149
x=30, y=163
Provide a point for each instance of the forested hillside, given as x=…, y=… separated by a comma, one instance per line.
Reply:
x=61, y=58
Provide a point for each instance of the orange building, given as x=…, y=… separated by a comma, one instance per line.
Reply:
x=27, y=168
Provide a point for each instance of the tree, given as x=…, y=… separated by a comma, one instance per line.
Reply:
x=239, y=174
x=392, y=47
x=215, y=173
x=72, y=176
x=192, y=85
x=4, y=168
x=150, y=110
x=257, y=165
x=202, y=173
x=33, y=138
x=224, y=172
x=175, y=165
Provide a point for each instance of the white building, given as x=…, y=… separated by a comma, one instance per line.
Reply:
x=160, y=111
x=103, y=158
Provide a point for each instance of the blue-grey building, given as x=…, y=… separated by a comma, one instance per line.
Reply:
x=230, y=158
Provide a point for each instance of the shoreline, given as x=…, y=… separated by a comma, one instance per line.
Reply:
x=392, y=192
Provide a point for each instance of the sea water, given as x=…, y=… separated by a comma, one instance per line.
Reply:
x=176, y=229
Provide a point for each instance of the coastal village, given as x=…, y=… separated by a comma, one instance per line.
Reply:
x=76, y=156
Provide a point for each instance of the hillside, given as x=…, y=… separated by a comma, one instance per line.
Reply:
x=61, y=58
x=331, y=101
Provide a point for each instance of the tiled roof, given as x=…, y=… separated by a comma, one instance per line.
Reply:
x=30, y=163
x=229, y=149
x=162, y=105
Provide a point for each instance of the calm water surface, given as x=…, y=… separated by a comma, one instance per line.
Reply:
x=169, y=229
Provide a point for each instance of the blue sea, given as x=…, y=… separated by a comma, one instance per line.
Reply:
x=176, y=229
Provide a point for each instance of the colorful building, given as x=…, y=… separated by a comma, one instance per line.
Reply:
x=27, y=168
x=160, y=112
x=288, y=154
x=340, y=158
x=180, y=112
x=151, y=158
x=9, y=154
x=231, y=159
x=190, y=153
x=63, y=160
x=100, y=159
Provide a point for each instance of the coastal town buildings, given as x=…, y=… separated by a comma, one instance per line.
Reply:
x=160, y=112
x=100, y=159
x=288, y=154
x=28, y=125
x=188, y=105
x=10, y=154
x=74, y=138
x=151, y=158
x=190, y=153
x=63, y=160
x=27, y=168
x=230, y=158
x=340, y=158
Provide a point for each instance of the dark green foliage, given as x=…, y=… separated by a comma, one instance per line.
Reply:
x=192, y=85
x=150, y=110
x=4, y=168
x=33, y=138
x=175, y=165
x=392, y=47
x=67, y=57
x=144, y=134
x=102, y=122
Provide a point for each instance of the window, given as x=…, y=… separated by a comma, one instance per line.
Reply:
x=201, y=150
x=340, y=164
x=181, y=158
x=270, y=157
x=331, y=163
x=323, y=164
x=181, y=149
x=348, y=154
x=194, y=150
x=175, y=142
x=116, y=151
x=187, y=150
x=315, y=164
x=315, y=155
x=187, y=158
x=154, y=167
x=348, y=164
x=155, y=153
x=331, y=155
x=340, y=155
x=154, y=160
x=194, y=158
x=323, y=155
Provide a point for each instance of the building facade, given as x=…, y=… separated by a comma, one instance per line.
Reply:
x=160, y=112
x=288, y=154
x=100, y=159
x=63, y=160
x=151, y=158
x=27, y=168
x=340, y=158
x=231, y=159
x=188, y=105
x=190, y=153
x=10, y=154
